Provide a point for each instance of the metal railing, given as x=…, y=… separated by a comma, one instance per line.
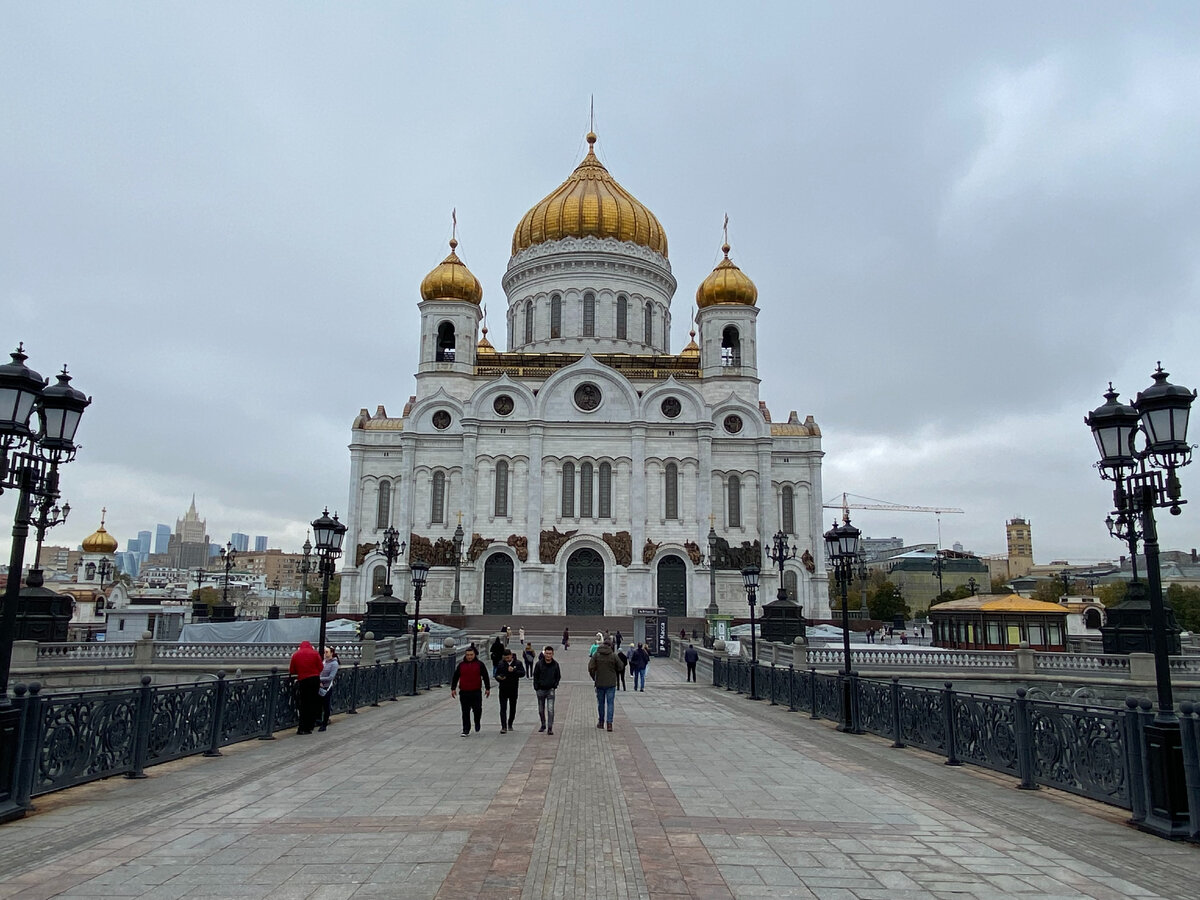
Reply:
x=1092, y=751
x=72, y=738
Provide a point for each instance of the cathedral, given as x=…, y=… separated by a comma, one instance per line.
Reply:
x=591, y=470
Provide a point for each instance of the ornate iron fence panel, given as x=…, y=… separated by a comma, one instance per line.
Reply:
x=743, y=677
x=922, y=719
x=247, y=704
x=803, y=690
x=181, y=720
x=84, y=737
x=828, y=695
x=779, y=685
x=875, y=707
x=985, y=731
x=287, y=712
x=1080, y=750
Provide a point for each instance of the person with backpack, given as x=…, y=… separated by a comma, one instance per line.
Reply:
x=605, y=668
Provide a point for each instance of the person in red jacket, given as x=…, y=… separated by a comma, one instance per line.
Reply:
x=471, y=683
x=306, y=665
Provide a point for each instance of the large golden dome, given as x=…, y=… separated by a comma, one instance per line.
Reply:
x=726, y=284
x=99, y=541
x=590, y=202
x=451, y=280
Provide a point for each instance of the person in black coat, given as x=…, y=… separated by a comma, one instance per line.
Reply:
x=546, y=677
x=508, y=675
x=691, y=657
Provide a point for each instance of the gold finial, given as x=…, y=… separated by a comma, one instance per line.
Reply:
x=103, y=513
x=712, y=520
x=454, y=228
x=485, y=320
x=460, y=517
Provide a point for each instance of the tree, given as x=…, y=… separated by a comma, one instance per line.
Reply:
x=885, y=603
x=1000, y=586
x=1049, y=591
x=208, y=596
x=335, y=592
x=1186, y=603
x=1112, y=593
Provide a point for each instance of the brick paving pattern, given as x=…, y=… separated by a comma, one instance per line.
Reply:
x=697, y=793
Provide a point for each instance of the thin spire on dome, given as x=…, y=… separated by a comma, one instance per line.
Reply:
x=454, y=229
x=103, y=513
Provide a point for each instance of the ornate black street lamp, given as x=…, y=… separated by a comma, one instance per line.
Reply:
x=750, y=581
x=29, y=461
x=329, y=533
x=1065, y=577
x=392, y=549
x=104, y=568
x=420, y=572
x=305, y=568
x=936, y=567
x=841, y=550
x=273, y=610
x=228, y=559
x=1159, y=415
x=713, y=609
x=49, y=515
x=456, y=607
x=779, y=553
x=973, y=585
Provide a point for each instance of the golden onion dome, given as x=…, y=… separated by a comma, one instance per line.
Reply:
x=726, y=284
x=484, y=345
x=590, y=202
x=692, y=349
x=100, y=541
x=451, y=280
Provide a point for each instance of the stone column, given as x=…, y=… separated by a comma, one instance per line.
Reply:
x=533, y=500
x=637, y=493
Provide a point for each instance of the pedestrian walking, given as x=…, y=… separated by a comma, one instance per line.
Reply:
x=496, y=651
x=521, y=635
x=528, y=657
x=470, y=682
x=617, y=639
x=605, y=668
x=508, y=680
x=624, y=662
x=638, y=660
x=691, y=657
x=328, y=674
x=546, y=677
x=596, y=644
x=306, y=665
x=566, y=638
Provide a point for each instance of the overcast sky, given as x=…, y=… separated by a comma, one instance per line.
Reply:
x=963, y=220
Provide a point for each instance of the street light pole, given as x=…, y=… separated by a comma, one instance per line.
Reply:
x=750, y=581
x=329, y=533
x=1159, y=415
x=937, y=570
x=273, y=611
x=713, y=609
x=29, y=461
x=841, y=548
x=228, y=558
x=305, y=568
x=420, y=571
x=456, y=607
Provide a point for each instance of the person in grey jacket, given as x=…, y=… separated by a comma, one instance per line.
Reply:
x=605, y=668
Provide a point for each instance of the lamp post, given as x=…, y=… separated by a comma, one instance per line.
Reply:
x=713, y=609
x=29, y=461
x=392, y=549
x=49, y=515
x=1159, y=415
x=1065, y=577
x=750, y=582
x=228, y=559
x=779, y=553
x=305, y=568
x=973, y=585
x=329, y=533
x=456, y=607
x=841, y=549
x=420, y=571
x=103, y=569
x=273, y=610
x=936, y=568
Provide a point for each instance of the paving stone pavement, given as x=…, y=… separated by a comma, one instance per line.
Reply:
x=696, y=793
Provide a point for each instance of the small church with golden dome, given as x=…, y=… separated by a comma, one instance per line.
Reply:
x=591, y=469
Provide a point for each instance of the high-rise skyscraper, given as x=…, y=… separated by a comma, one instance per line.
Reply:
x=162, y=538
x=241, y=542
x=260, y=543
x=143, y=542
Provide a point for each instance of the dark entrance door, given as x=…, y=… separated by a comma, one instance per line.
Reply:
x=498, y=586
x=672, y=586
x=585, y=583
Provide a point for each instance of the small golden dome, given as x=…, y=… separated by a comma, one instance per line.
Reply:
x=100, y=541
x=451, y=280
x=484, y=345
x=726, y=284
x=590, y=202
x=691, y=350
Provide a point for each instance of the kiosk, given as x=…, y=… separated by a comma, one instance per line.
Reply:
x=650, y=629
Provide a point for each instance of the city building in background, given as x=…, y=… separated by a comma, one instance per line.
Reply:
x=240, y=542
x=260, y=543
x=162, y=539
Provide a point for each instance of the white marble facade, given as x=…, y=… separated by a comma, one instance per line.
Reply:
x=585, y=459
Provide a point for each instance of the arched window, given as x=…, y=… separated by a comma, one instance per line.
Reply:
x=605, y=490
x=445, y=342
x=378, y=578
x=501, y=488
x=622, y=317
x=589, y=315
x=671, y=489
x=734, y=507
x=731, y=347
x=529, y=321
x=648, y=325
x=789, y=585
x=585, y=490
x=568, y=491
x=666, y=343
x=383, y=505
x=556, y=316
x=789, y=511
x=437, y=498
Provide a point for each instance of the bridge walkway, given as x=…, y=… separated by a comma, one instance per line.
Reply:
x=696, y=793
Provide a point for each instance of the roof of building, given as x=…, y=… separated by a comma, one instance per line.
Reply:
x=998, y=603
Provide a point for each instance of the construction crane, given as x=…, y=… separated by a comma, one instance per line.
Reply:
x=845, y=506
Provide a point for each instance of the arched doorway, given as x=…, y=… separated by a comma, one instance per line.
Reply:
x=498, y=586
x=672, y=586
x=585, y=583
